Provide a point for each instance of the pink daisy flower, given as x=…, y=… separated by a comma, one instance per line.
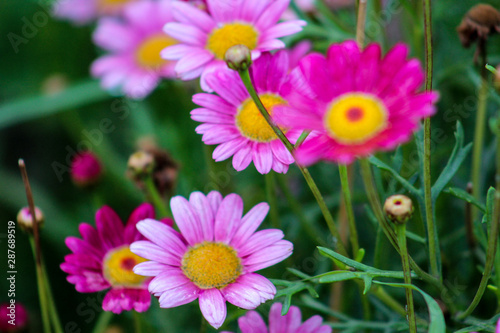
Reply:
x=232, y=121
x=205, y=37
x=85, y=11
x=214, y=256
x=252, y=322
x=102, y=260
x=134, y=44
x=358, y=102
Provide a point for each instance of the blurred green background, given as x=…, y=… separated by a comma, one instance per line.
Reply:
x=50, y=107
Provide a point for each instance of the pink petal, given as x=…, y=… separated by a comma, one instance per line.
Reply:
x=213, y=307
x=214, y=198
x=148, y=250
x=144, y=211
x=268, y=256
x=214, y=102
x=249, y=223
x=168, y=279
x=187, y=13
x=179, y=296
x=242, y=158
x=262, y=157
x=287, y=323
x=192, y=61
x=150, y=268
x=228, y=217
x=206, y=216
x=187, y=220
x=110, y=227
x=252, y=322
x=186, y=33
x=228, y=149
x=260, y=240
x=164, y=236
x=272, y=14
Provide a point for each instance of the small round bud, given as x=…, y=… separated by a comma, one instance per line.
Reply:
x=238, y=57
x=86, y=170
x=398, y=208
x=25, y=219
x=140, y=164
x=13, y=312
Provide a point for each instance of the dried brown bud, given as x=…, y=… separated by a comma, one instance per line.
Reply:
x=479, y=22
x=165, y=168
x=25, y=219
x=140, y=164
x=399, y=208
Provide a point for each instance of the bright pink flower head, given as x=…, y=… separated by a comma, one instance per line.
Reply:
x=232, y=121
x=13, y=317
x=85, y=169
x=214, y=256
x=252, y=322
x=102, y=260
x=84, y=11
x=358, y=103
x=134, y=44
x=205, y=37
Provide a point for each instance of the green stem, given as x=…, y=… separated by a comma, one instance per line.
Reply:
x=155, y=197
x=432, y=235
x=388, y=300
x=477, y=150
x=137, y=322
x=271, y=199
x=401, y=234
x=492, y=240
x=361, y=22
x=103, y=322
x=245, y=77
x=42, y=292
x=379, y=247
x=54, y=315
x=302, y=138
x=346, y=191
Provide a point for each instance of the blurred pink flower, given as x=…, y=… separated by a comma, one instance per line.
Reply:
x=134, y=44
x=102, y=260
x=85, y=169
x=205, y=37
x=214, y=256
x=13, y=317
x=252, y=322
x=232, y=121
x=85, y=11
x=358, y=102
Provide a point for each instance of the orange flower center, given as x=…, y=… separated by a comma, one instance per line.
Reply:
x=118, y=265
x=231, y=34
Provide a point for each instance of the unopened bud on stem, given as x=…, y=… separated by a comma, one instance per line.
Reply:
x=398, y=208
x=238, y=57
x=140, y=164
x=25, y=219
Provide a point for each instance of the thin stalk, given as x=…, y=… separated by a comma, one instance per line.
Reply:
x=379, y=247
x=302, y=138
x=137, y=322
x=42, y=292
x=346, y=191
x=388, y=300
x=401, y=233
x=103, y=322
x=245, y=77
x=432, y=235
x=360, y=26
x=271, y=199
x=492, y=240
x=155, y=197
x=54, y=315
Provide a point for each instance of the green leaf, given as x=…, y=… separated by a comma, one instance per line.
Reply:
x=381, y=165
x=464, y=195
x=437, y=323
x=336, y=276
x=490, y=201
x=457, y=157
x=349, y=262
x=31, y=108
x=415, y=237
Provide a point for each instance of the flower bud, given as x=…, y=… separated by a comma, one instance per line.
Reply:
x=25, y=219
x=398, y=208
x=86, y=169
x=13, y=317
x=238, y=57
x=140, y=164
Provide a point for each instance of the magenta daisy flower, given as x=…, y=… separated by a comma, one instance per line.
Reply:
x=134, y=44
x=214, y=256
x=360, y=103
x=84, y=11
x=205, y=37
x=252, y=322
x=85, y=169
x=232, y=121
x=102, y=260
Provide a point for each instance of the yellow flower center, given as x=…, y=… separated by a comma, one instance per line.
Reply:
x=355, y=118
x=211, y=265
x=250, y=121
x=104, y=4
x=148, y=53
x=118, y=265
x=231, y=34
